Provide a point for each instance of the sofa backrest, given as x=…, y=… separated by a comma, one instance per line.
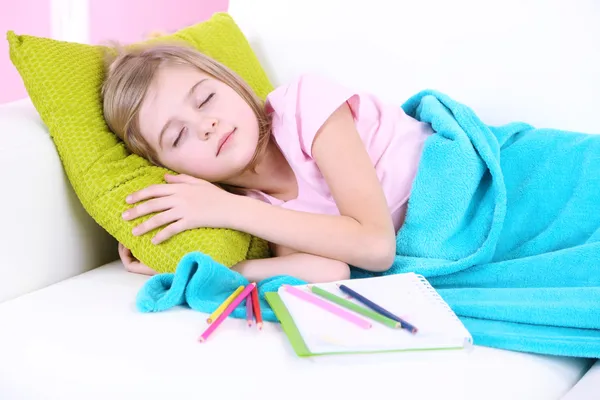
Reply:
x=536, y=61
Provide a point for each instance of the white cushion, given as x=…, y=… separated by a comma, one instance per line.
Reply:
x=84, y=339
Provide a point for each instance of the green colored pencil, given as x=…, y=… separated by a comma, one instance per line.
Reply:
x=354, y=307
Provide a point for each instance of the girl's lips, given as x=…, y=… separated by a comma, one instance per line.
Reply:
x=224, y=140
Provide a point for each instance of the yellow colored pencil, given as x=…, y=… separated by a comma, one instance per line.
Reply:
x=224, y=305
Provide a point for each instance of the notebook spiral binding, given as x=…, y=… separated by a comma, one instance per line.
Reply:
x=435, y=296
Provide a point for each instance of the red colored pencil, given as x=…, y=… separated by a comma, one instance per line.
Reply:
x=256, y=304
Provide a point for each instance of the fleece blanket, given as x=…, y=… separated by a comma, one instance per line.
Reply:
x=503, y=221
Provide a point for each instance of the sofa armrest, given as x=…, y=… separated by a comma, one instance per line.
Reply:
x=46, y=234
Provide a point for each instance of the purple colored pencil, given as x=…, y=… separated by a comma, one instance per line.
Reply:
x=249, y=310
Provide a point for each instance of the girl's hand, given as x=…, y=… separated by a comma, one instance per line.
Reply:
x=182, y=203
x=132, y=264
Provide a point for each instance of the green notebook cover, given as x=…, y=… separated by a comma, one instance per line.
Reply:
x=297, y=342
x=287, y=324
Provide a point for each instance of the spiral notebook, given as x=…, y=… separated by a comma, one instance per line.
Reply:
x=313, y=331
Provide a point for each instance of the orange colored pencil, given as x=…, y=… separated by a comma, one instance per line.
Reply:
x=256, y=307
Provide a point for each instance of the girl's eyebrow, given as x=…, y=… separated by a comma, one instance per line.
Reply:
x=191, y=91
x=164, y=128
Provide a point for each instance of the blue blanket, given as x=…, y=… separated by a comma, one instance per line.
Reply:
x=503, y=222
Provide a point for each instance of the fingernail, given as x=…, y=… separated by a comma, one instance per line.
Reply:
x=126, y=214
x=134, y=231
x=128, y=199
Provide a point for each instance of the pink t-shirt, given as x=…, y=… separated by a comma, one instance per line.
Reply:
x=393, y=140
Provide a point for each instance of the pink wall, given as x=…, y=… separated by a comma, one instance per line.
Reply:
x=130, y=20
x=23, y=16
x=123, y=20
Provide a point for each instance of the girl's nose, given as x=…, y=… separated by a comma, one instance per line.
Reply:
x=208, y=127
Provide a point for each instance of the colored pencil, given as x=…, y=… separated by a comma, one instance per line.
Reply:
x=224, y=305
x=354, y=307
x=243, y=294
x=403, y=324
x=327, y=306
x=256, y=307
x=249, y=311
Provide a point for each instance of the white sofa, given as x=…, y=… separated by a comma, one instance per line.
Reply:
x=68, y=325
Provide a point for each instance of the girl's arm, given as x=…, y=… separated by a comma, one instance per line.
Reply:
x=312, y=269
x=363, y=235
x=308, y=267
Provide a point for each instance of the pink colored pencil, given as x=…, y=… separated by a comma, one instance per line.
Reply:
x=327, y=306
x=243, y=294
x=249, y=311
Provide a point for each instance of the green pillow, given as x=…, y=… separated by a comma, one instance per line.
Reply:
x=64, y=82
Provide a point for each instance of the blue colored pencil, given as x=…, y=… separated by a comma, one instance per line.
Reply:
x=403, y=324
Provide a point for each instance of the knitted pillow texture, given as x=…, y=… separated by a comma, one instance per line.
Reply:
x=64, y=82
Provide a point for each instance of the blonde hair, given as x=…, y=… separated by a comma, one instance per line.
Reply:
x=131, y=72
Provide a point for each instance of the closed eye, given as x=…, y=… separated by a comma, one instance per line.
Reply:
x=181, y=132
x=207, y=100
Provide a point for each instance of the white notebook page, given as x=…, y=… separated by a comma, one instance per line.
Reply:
x=404, y=295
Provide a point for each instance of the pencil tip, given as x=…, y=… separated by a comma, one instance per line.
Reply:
x=201, y=339
x=259, y=326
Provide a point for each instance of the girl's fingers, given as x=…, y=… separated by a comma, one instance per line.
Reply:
x=154, y=222
x=169, y=231
x=181, y=178
x=148, y=207
x=139, y=268
x=122, y=252
x=150, y=192
x=126, y=256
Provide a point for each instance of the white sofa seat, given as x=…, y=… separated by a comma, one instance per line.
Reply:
x=84, y=339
